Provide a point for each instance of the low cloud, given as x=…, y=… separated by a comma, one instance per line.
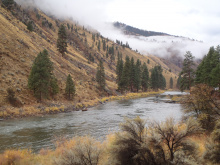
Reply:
x=96, y=14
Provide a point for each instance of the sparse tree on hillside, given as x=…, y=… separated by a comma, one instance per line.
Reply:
x=100, y=76
x=41, y=76
x=29, y=26
x=99, y=45
x=119, y=70
x=8, y=4
x=11, y=96
x=70, y=87
x=187, y=71
x=62, y=40
x=104, y=45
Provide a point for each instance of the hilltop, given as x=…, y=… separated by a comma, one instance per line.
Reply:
x=19, y=47
x=129, y=30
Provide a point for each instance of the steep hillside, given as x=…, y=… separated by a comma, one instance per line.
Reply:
x=19, y=47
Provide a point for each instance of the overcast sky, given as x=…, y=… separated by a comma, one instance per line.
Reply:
x=197, y=19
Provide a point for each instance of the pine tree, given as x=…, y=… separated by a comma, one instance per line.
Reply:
x=99, y=44
x=54, y=88
x=187, y=71
x=41, y=76
x=70, y=87
x=163, y=85
x=171, y=83
x=100, y=76
x=132, y=75
x=157, y=78
x=144, y=78
x=119, y=68
x=29, y=26
x=215, y=76
x=125, y=79
x=104, y=45
x=137, y=82
x=62, y=40
x=8, y=4
x=178, y=84
x=207, y=71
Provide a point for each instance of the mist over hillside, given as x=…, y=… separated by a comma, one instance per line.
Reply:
x=90, y=15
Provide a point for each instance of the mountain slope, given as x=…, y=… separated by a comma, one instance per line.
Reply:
x=19, y=47
x=135, y=31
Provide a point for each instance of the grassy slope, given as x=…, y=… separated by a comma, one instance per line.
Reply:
x=19, y=47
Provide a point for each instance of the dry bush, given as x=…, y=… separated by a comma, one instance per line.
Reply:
x=201, y=104
x=212, y=153
x=11, y=157
x=83, y=151
x=162, y=143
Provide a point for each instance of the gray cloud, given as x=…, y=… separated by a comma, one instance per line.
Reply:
x=195, y=19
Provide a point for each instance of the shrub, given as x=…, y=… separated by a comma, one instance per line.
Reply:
x=162, y=143
x=85, y=151
x=213, y=146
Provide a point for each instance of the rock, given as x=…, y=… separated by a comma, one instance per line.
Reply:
x=22, y=60
x=18, y=90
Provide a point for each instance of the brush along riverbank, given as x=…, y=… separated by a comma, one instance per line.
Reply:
x=46, y=108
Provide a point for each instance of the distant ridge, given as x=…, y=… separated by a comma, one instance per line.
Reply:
x=135, y=31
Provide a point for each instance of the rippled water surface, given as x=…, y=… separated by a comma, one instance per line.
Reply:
x=40, y=132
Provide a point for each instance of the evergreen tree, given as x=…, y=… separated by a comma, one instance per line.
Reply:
x=215, y=76
x=93, y=37
x=125, y=79
x=163, y=85
x=104, y=45
x=171, y=83
x=157, y=78
x=70, y=87
x=62, y=40
x=119, y=69
x=54, y=88
x=8, y=4
x=207, y=71
x=100, y=76
x=41, y=76
x=137, y=81
x=187, y=71
x=200, y=72
x=29, y=26
x=132, y=75
x=178, y=84
x=71, y=28
x=144, y=78
x=99, y=44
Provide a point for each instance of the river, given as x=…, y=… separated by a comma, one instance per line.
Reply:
x=40, y=132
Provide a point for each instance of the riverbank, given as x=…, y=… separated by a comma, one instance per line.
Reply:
x=47, y=108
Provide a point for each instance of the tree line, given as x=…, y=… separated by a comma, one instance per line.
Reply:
x=133, y=76
x=207, y=72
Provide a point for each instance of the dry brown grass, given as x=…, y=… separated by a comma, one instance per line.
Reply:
x=19, y=47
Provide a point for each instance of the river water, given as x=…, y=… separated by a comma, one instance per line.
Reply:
x=40, y=132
